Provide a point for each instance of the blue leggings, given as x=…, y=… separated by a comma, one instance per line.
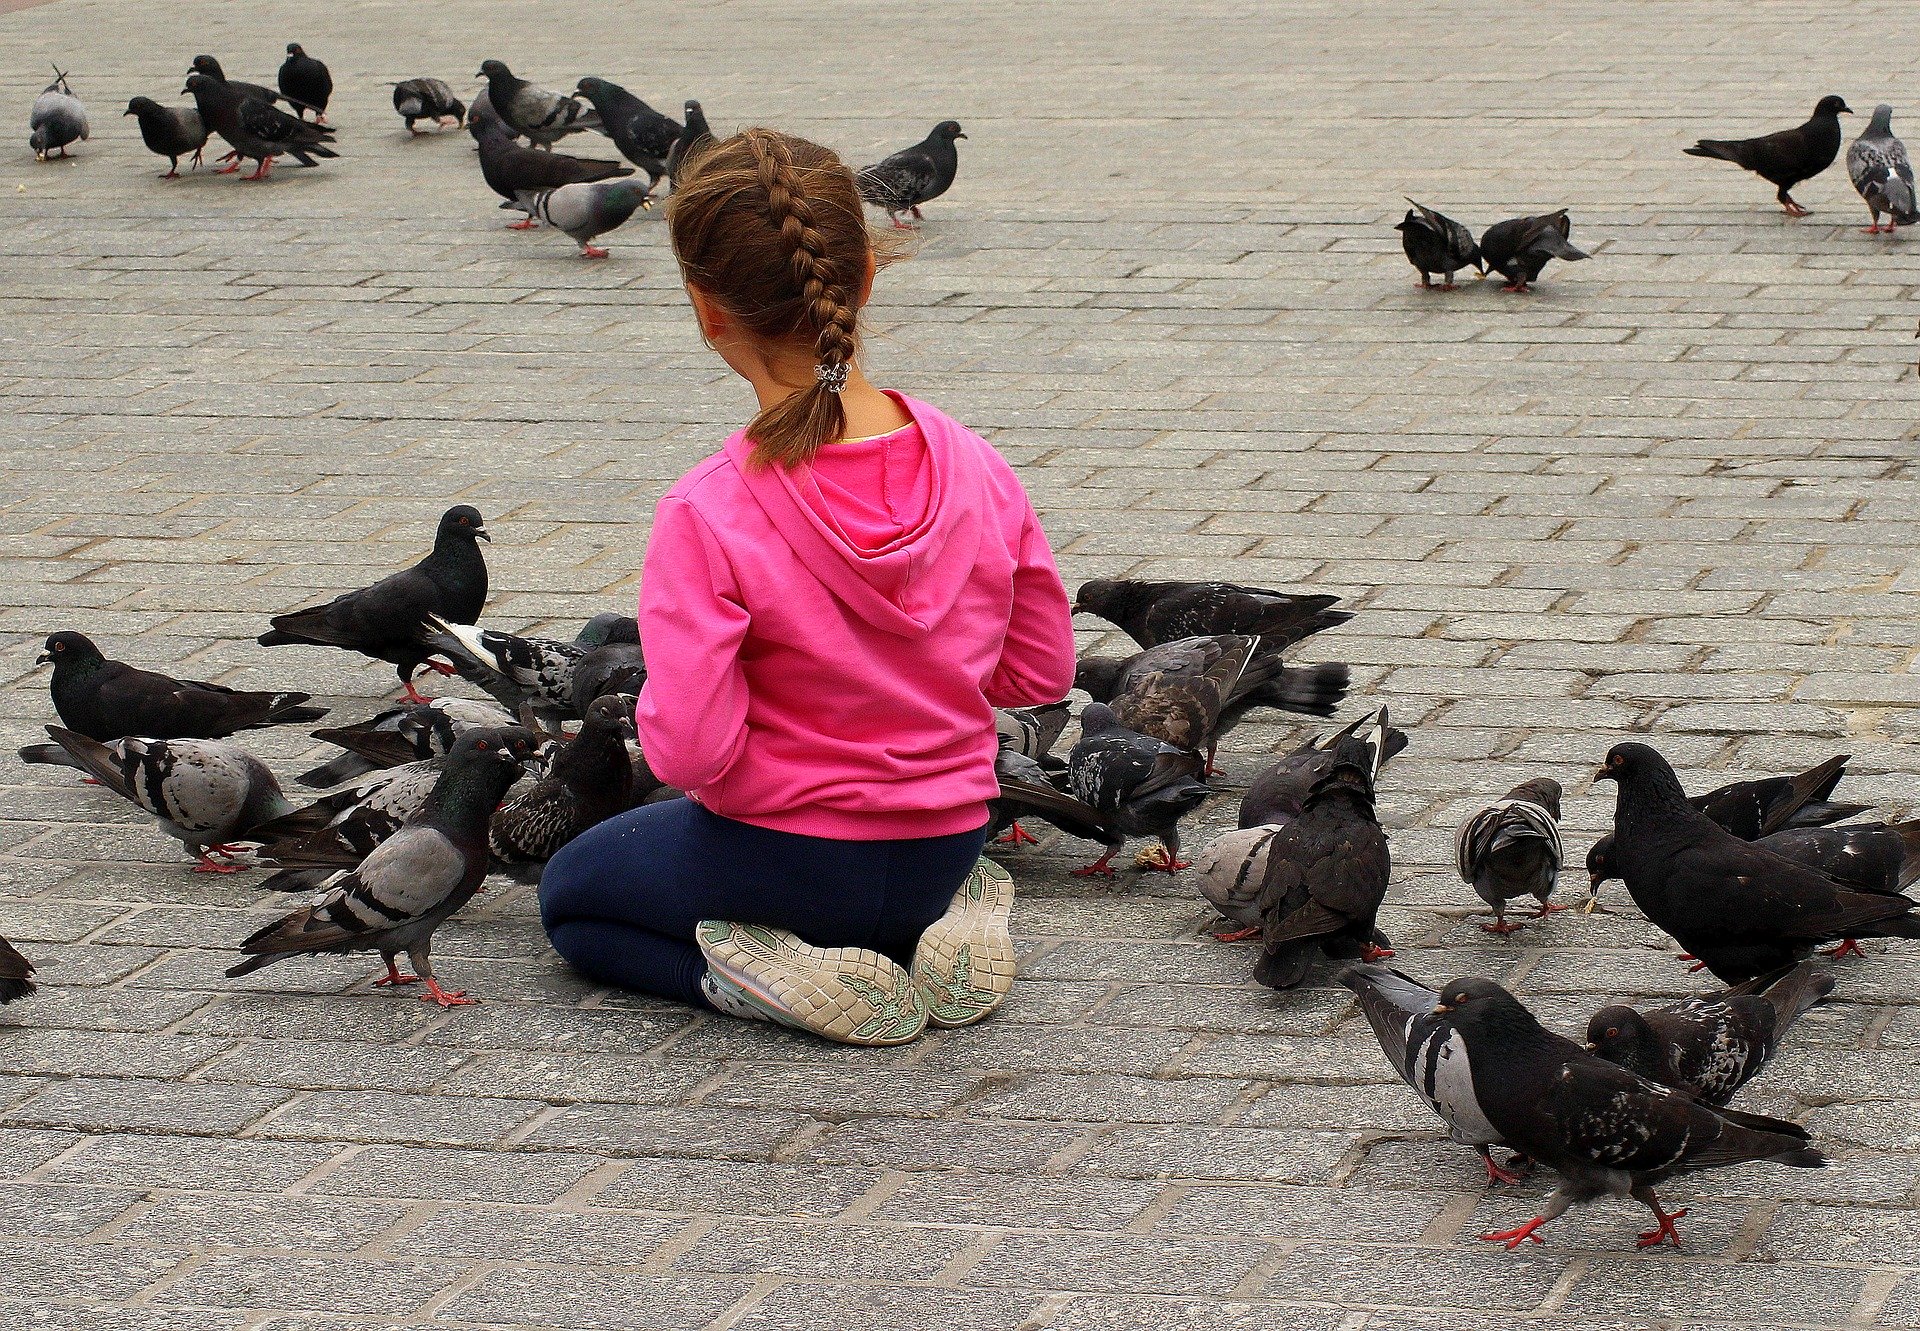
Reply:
x=621, y=901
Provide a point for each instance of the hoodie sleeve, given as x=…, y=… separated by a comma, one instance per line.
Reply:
x=692, y=715
x=1036, y=660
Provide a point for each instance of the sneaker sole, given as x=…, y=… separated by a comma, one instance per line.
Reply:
x=848, y=995
x=965, y=963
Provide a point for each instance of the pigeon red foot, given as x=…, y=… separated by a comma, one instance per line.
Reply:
x=593, y=252
x=524, y=224
x=1653, y=1238
x=395, y=976
x=1498, y=1173
x=446, y=997
x=1369, y=952
x=1848, y=948
x=1503, y=926
x=1016, y=836
x=260, y=172
x=1239, y=935
x=1547, y=908
x=1100, y=868
x=1513, y=1238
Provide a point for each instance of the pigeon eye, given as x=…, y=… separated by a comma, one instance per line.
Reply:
x=1613, y=1032
x=481, y=745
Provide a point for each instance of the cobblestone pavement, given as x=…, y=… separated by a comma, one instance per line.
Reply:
x=1668, y=492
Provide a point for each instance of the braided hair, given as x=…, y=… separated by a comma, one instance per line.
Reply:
x=772, y=228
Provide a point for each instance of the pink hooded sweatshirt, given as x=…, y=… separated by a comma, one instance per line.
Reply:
x=825, y=644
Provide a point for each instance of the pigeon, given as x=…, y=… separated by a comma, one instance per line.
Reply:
x=1141, y=786
x=402, y=892
x=106, y=700
x=1878, y=166
x=1713, y=1045
x=1604, y=1130
x=694, y=136
x=521, y=175
x=589, y=209
x=1264, y=682
x=1027, y=790
x=401, y=735
x=588, y=782
x=1026, y=738
x=169, y=131
x=1519, y=249
x=205, y=793
x=428, y=99
x=1511, y=848
x=255, y=129
x=1179, y=697
x=16, y=974
x=643, y=135
x=306, y=83
x=1033, y=731
x=1426, y=1052
x=1789, y=156
x=1741, y=910
x=903, y=181
x=58, y=118
x=259, y=92
x=1278, y=794
x=559, y=679
x=384, y=621
x=1871, y=857
x=1753, y=809
x=1157, y=612
x=535, y=113
x=1435, y=243
x=1326, y=873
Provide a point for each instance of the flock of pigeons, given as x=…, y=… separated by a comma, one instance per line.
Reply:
x=584, y=197
x=1518, y=249
x=425, y=798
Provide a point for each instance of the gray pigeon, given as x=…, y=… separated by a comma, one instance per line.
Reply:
x=58, y=119
x=204, y=792
x=591, y=208
x=399, y=735
x=170, y=131
x=1229, y=870
x=543, y=117
x=1511, y=848
x=15, y=973
x=1032, y=732
x=401, y=893
x=1878, y=166
x=1435, y=243
x=643, y=135
x=428, y=99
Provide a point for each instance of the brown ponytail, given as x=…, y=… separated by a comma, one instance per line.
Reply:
x=771, y=226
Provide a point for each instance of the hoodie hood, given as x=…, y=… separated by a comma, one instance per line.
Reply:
x=905, y=583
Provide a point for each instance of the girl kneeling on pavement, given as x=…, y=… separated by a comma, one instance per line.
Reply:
x=831, y=605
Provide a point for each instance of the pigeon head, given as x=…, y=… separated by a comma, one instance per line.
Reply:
x=1112, y=599
x=1600, y=867
x=141, y=106
x=203, y=85
x=1832, y=105
x=206, y=64
x=608, y=711
x=69, y=649
x=600, y=629
x=294, y=48
x=1413, y=222
x=593, y=89
x=1882, y=123
x=1482, y=1007
x=493, y=69
x=692, y=109
x=1641, y=766
x=1621, y=1035
x=463, y=522
x=1349, y=773
x=1097, y=717
x=948, y=130
x=518, y=741
x=1098, y=676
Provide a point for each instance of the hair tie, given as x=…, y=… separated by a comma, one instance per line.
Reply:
x=832, y=377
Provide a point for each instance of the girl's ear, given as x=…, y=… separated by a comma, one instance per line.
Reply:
x=708, y=311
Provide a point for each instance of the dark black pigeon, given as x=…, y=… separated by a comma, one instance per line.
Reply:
x=1605, y=1131
x=207, y=65
x=537, y=114
x=384, y=621
x=1435, y=243
x=1028, y=790
x=1326, y=873
x=643, y=135
x=1263, y=682
x=1789, y=156
x=1870, y=857
x=306, y=82
x=1511, y=848
x=1423, y=1048
x=205, y=793
x=1754, y=809
x=589, y=781
x=15, y=973
x=428, y=99
x=1713, y=1045
x=1141, y=786
x=401, y=893
x=1157, y=612
x=1741, y=910
x=694, y=136
x=404, y=734
x=169, y=131
x=903, y=181
x=1519, y=249
x=1278, y=794
x=253, y=128
x=559, y=679
x=107, y=700
x=520, y=176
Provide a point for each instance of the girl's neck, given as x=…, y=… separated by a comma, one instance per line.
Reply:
x=870, y=412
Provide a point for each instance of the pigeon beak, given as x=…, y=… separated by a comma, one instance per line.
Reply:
x=43, y=658
x=1442, y=1009
x=480, y=534
x=959, y=136
x=1604, y=774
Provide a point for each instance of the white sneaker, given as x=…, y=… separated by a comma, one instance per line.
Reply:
x=965, y=961
x=848, y=994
